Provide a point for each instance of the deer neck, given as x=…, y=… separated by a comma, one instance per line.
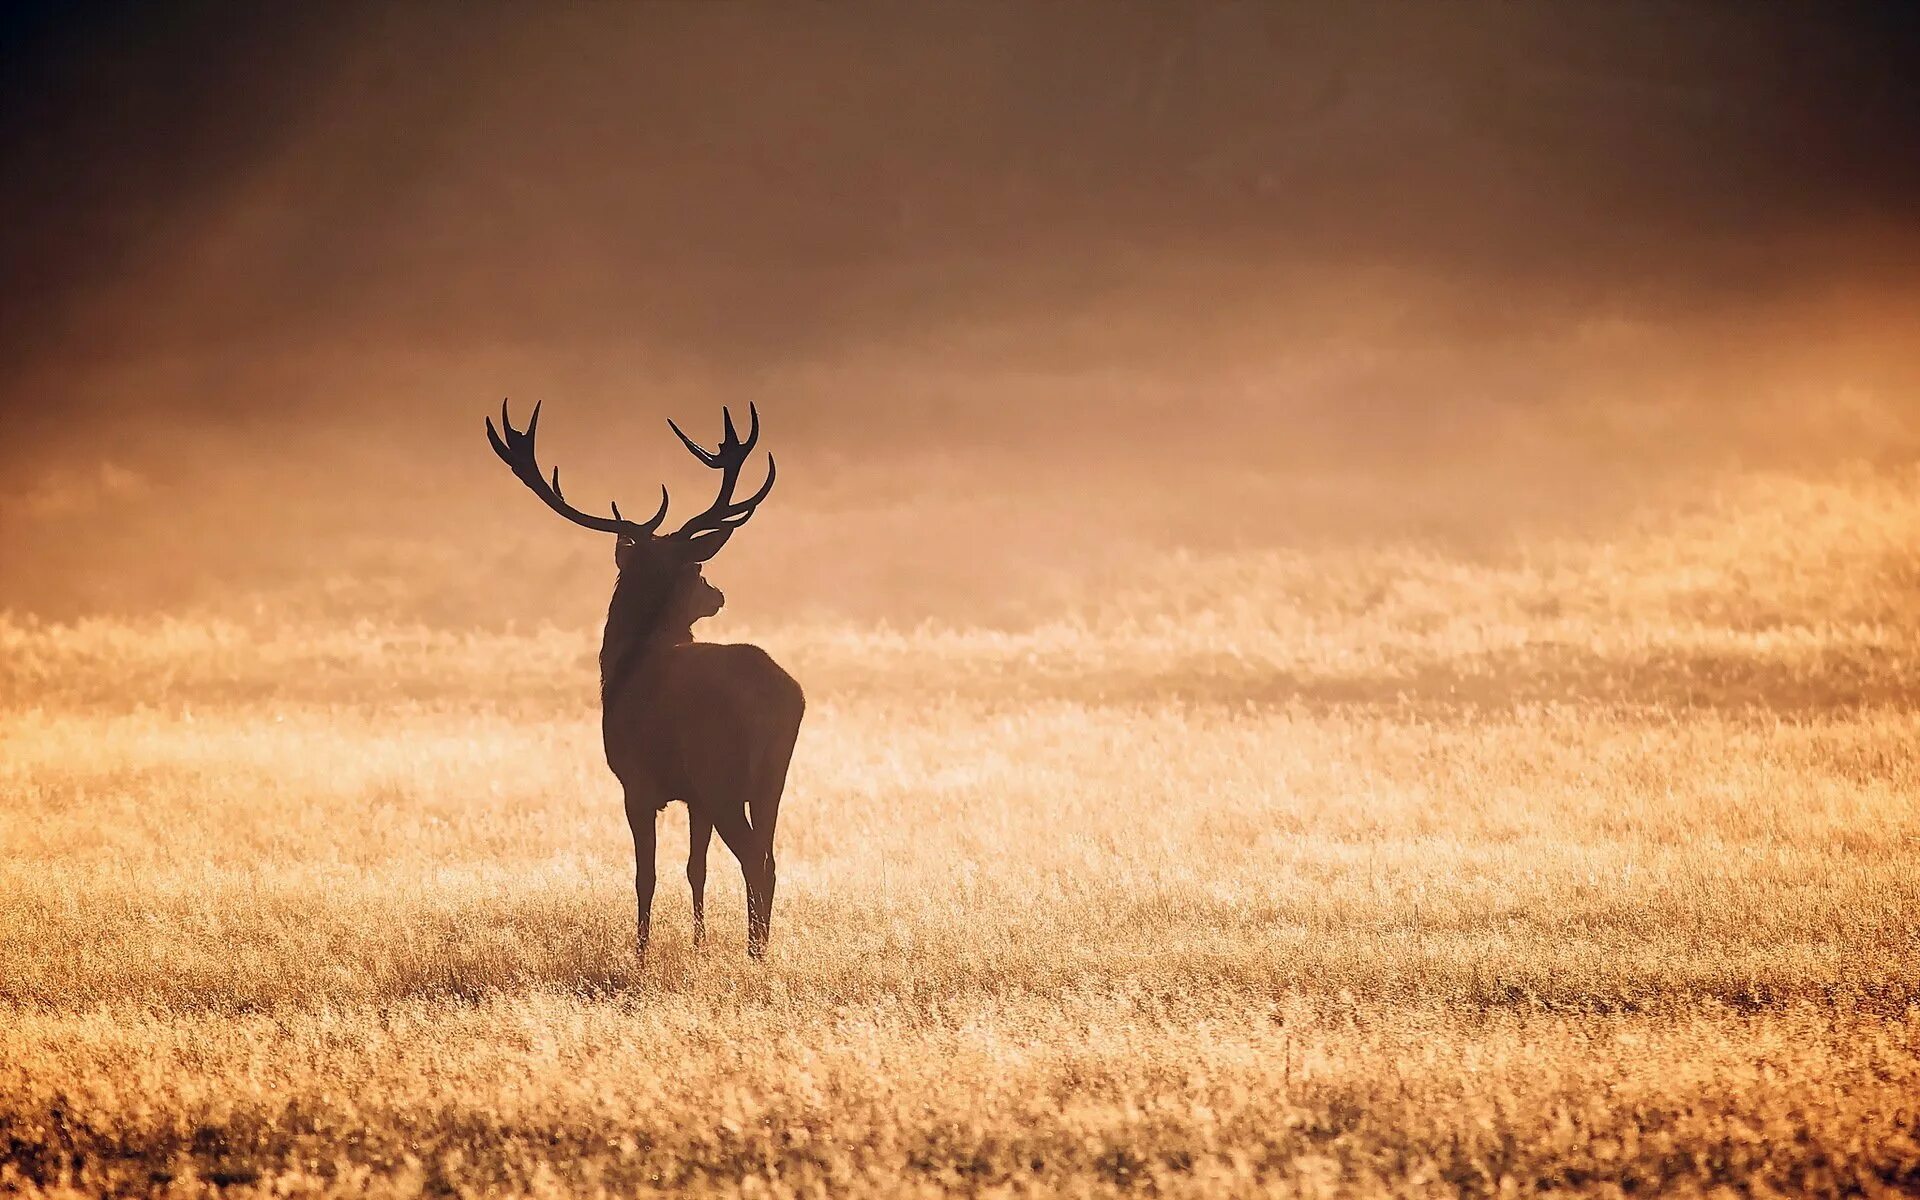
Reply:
x=638, y=623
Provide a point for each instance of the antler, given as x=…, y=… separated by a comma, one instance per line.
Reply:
x=706, y=533
x=515, y=448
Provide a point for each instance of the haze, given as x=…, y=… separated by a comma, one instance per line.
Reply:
x=1022, y=291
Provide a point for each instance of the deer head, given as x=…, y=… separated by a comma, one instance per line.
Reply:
x=669, y=563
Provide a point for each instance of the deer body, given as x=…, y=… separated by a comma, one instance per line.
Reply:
x=709, y=724
x=675, y=729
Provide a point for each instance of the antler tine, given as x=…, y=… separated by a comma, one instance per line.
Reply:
x=744, y=508
x=516, y=448
x=730, y=444
x=732, y=437
x=753, y=426
x=655, y=519
x=653, y=522
x=711, y=459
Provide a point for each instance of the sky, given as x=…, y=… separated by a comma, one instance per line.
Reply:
x=1100, y=233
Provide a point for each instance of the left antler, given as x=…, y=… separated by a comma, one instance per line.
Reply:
x=515, y=448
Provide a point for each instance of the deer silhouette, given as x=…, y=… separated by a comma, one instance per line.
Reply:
x=709, y=724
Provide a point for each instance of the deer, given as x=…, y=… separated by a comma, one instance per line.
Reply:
x=710, y=724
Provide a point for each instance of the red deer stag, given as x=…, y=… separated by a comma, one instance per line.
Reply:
x=712, y=725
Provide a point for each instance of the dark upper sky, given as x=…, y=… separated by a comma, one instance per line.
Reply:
x=266, y=265
x=758, y=181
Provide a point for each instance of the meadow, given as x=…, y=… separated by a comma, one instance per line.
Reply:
x=1581, y=863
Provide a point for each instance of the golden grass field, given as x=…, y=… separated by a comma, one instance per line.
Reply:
x=1589, y=863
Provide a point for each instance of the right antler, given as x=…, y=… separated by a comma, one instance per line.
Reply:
x=516, y=450
x=705, y=534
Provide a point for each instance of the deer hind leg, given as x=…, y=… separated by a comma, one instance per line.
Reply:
x=763, y=810
x=699, y=836
x=739, y=837
x=641, y=815
x=759, y=866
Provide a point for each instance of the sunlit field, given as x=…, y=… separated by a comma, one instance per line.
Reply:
x=1589, y=862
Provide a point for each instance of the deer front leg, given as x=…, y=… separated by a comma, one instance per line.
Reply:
x=641, y=814
x=699, y=835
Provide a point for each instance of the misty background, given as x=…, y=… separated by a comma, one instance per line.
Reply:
x=1025, y=293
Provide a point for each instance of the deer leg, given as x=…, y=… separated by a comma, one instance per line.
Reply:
x=760, y=905
x=763, y=811
x=699, y=836
x=641, y=814
x=739, y=838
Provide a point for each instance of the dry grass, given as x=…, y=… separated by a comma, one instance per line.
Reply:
x=1586, y=866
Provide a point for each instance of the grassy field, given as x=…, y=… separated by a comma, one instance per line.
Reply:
x=1587, y=863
